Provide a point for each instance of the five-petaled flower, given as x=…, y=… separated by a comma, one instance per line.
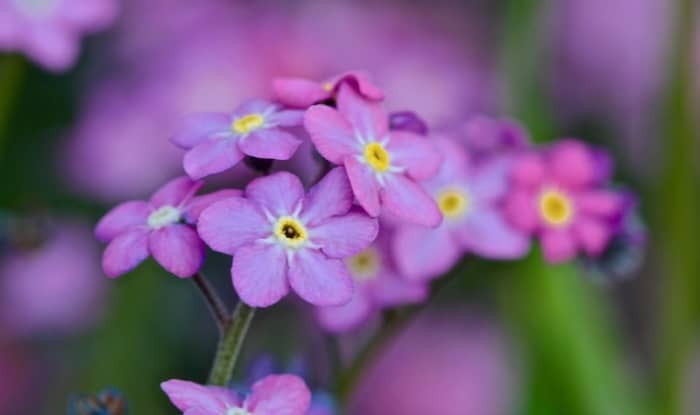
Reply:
x=162, y=227
x=272, y=395
x=219, y=141
x=382, y=165
x=302, y=93
x=280, y=237
x=561, y=195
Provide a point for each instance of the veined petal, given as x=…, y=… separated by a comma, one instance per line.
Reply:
x=231, y=223
x=280, y=193
x=175, y=192
x=332, y=135
x=320, y=280
x=178, y=249
x=367, y=117
x=298, y=92
x=344, y=236
x=408, y=201
x=331, y=196
x=125, y=252
x=269, y=143
x=197, y=128
x=364, y=185
x=122, y=218
x=259, y=274
x=280, y=395
x=211, y=157
x=415, y=153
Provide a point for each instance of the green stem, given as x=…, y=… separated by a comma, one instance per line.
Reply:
x=12, y=71
x=218, y=309
x=230, y=345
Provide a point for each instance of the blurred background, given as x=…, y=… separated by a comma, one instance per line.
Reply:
x=502, y=338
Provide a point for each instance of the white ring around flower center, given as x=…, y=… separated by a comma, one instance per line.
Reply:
x=164, y=216
x=237, y=411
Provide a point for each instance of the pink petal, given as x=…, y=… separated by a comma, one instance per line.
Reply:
x=253, y=106
x=332, y=135
x=491, y=181
x=231, y=223
x=189, y=395
x=572, y=163
x=198, y=128
x=592, y=234
x=211, y=157
x=297, y=92
x=344, y=236
x=346, y=317
x=362, y=82
x=121, y=218
x=601, y=203
x=408, y=201
x=367, y=117
x=417, y=154
x=125, y=252
x=287, y=118
x=487, y=234
x=422, y=253
x=195, y=207
x=259, y=274
x=175, y=192
x=364, y=185
x=521, y=211
x=271, y=143
x=280, y=193
x=391, y=290
x=320, y=280
x=558, y=245
x=53, y=47
x=280, y=395
x=90, y=15
x=331, y=196
x=178, y=249
x=528, y=170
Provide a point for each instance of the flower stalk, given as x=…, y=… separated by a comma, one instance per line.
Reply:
x=218, y=309
x=230, y=345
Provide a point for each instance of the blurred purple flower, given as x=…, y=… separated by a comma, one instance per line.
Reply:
x=55, y=287
x=470, y=198
x=486, y=138
x=407, y=121
x=560, y=195
x=49, y=31
x=272, y=395
x=162, y=227
x=382, y=165
x=218, y=141
x=302, y=93
x=378, y=285
x=441, y=364
x=280, y=237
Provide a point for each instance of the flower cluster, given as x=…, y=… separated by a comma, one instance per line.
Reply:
x=393, y=206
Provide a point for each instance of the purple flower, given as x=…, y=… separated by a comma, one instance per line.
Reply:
x=280, y=237
x=272, y=395
x=302, y=93
x=382, y=165
x=486, y=137
x=162, y=227
x=218, y=141
x=49, y=31
x=560, y=195
x=378, y=285
x=470, y=198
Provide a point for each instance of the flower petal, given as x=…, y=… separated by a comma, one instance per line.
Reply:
x=320, y=280
x=406, y=200
x=197, y=128
x=298, y=92
x=189, y=395
x=423, y=253
x=280, y=193
x=573, y=163
x=558, y=245
x=487, y=234
x=367, y=117
x=125, y=252
x=178, y=249
x=211, y=157
x=415, y=153
x=280, y=395
x=121, y=218
x=344, y=236
x=287, y=118
x=269, y=143
x=175, y=192
x=361, y=81
x=331, y=196
x=259, y=274
x=521, y=210
x=601, y=203
x=332, y=135
x=231, y=223
x=390, y=290
x=195, y=207
x=528, y=170
x=592, y=234
x=254, y=106
x=346, y=317
x=364, y=186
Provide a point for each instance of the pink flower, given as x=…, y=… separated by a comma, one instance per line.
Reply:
x=470, y=198
x=280, y=237
x=486, y=137
x=162, y=227
x=49, y=31
x=560, y=196
x=218, y=141
x=382, y=165
x=272, y=395
x=302, y=93
x=378, y=285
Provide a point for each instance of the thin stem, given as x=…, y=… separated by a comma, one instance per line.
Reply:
x=217, y=307
x=230, y=345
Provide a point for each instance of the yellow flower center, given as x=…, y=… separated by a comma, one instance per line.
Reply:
x=290, y=231
x=377, y=156
x=452, y=202
x=555, y=207
x=247, y=123
x=365, y=265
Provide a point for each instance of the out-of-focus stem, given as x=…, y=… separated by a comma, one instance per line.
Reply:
x=218, y=309
x=12, y=69
x=230, y=345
